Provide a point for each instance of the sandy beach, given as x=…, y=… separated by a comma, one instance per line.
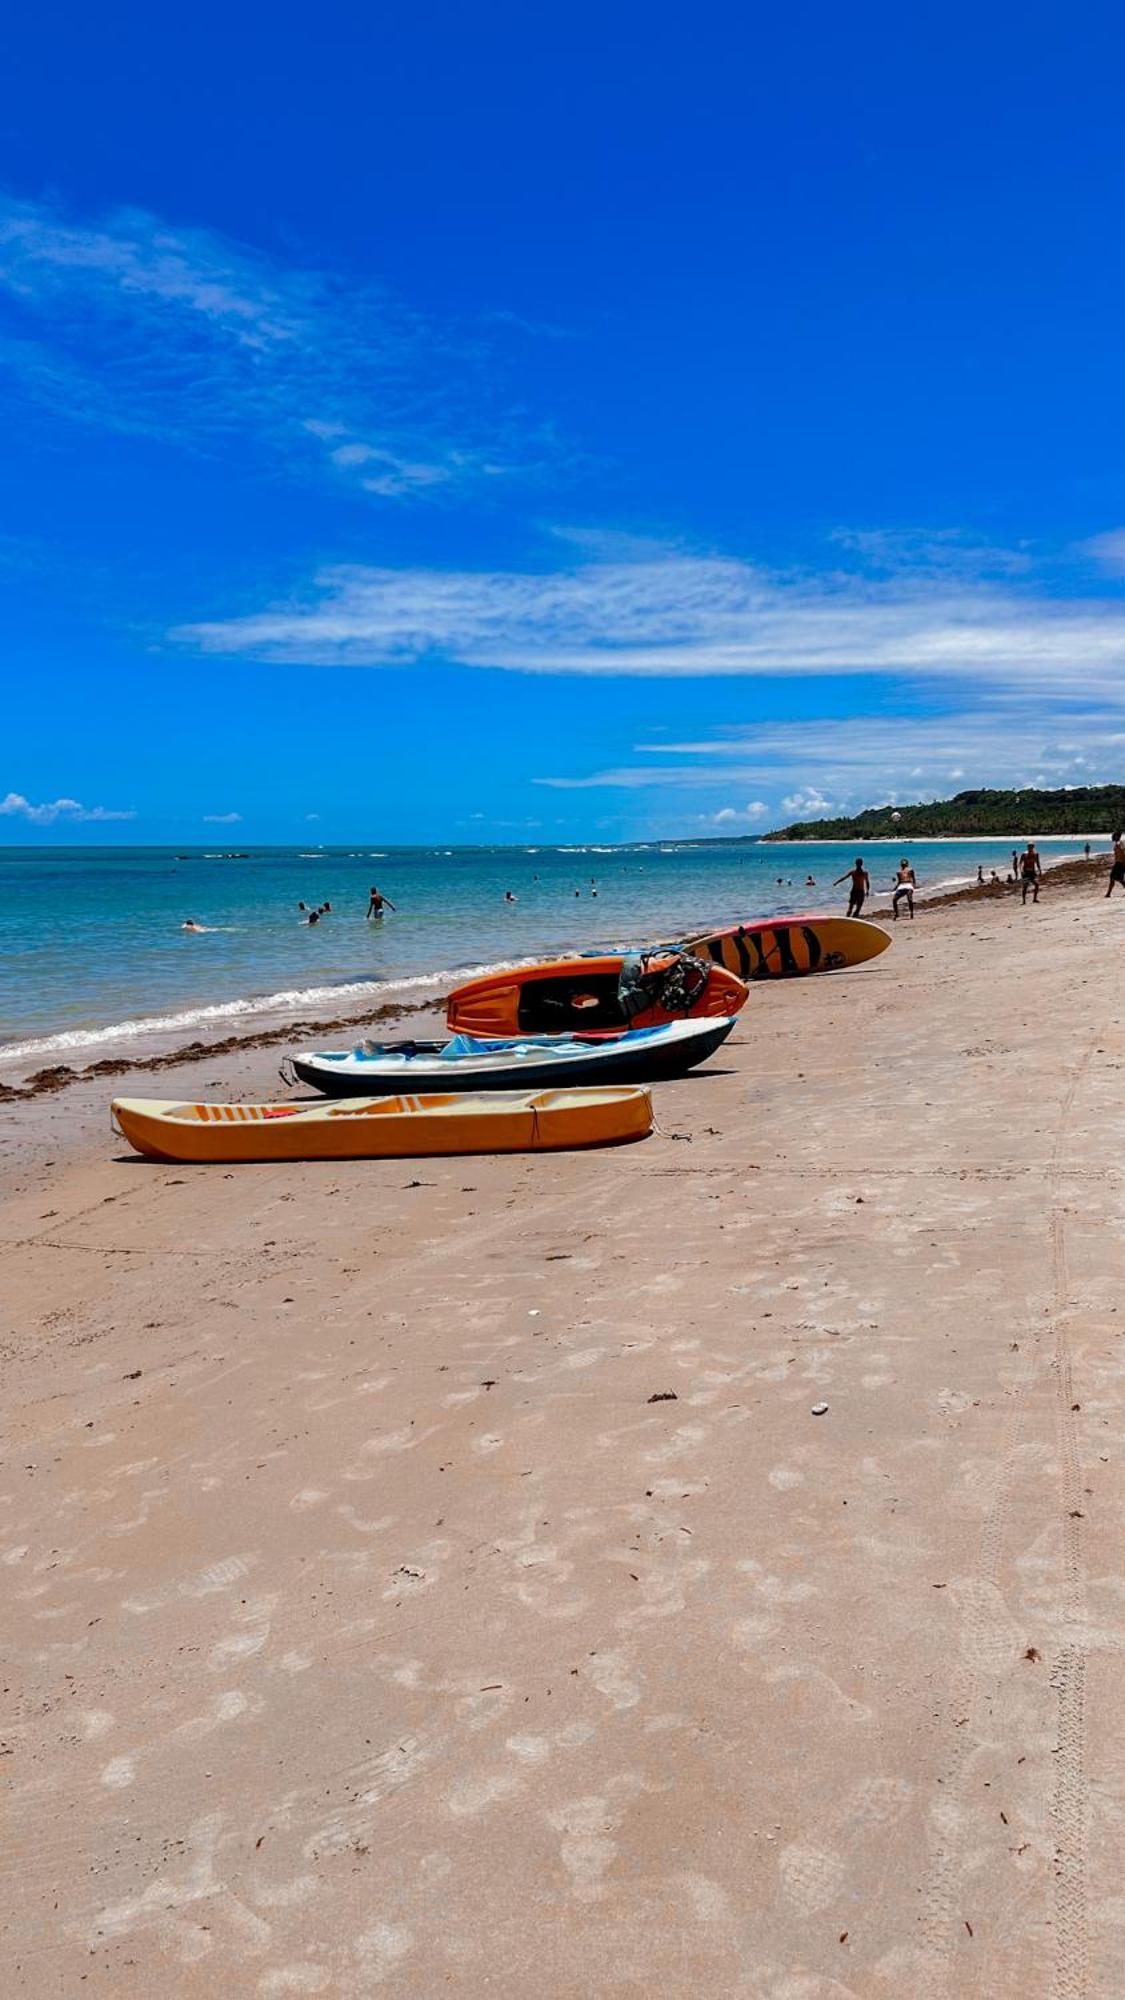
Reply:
x=432, y=1577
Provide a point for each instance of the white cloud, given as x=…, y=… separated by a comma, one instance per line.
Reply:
x=15, y=806
x=757, y=809
x=180, y=333
x=222, y=819
x=669, y=613
x=806, y=804
x=309, y=816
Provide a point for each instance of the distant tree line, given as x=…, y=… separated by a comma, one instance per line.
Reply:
x=1083, y=809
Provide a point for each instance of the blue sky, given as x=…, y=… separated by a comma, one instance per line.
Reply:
x=499, y=423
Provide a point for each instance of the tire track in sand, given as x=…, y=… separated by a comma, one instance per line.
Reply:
x=971, y=1691
x=940, y=1918
x=1069, y=1816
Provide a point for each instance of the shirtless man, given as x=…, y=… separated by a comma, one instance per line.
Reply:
x=861, y=883
x=906, y=882
x=1031, y=872
x=1117, y=872
x=378, y=903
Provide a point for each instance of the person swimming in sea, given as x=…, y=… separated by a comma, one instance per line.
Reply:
x=377, y=903
x=189, y=924
x=509, y=898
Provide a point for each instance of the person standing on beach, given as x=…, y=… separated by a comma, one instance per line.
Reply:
x=1031, y=872
x=1117, y=872
x=377, y=903
x=1015, y=864
x=906, y=881
x=861, y=884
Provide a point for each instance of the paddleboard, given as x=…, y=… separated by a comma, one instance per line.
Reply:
x=791, y=947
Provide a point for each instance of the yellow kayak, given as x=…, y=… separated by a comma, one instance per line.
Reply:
x=384, y=1127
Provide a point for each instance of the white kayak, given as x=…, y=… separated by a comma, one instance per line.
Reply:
x=541, y=1062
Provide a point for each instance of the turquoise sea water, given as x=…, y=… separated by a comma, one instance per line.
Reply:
x=91, y=944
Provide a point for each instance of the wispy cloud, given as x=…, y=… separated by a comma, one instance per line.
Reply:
x=671, y=613
x=15, y=806
x=1107, y=550
x=222, y=819
x=940, y=553
x=184, y=335
x=806, y=768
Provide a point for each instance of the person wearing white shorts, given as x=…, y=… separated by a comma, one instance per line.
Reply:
x=906, y=882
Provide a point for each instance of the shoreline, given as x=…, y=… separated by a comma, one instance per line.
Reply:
x=59, y=1076
x=923, y=839
x=205, y=1007
x=1070, y=873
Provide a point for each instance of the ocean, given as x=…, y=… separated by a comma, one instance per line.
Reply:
x=92, y=953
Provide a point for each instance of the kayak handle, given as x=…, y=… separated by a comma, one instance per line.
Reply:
x=287, y=1073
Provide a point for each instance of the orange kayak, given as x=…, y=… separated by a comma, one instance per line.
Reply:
x=384, y=1127
x=569, y=996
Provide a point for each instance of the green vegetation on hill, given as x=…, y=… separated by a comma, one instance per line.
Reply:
x=1084, y=809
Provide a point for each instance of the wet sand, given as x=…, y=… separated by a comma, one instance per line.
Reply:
x=432, y=1577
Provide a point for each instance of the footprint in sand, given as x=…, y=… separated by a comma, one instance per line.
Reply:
x=812, y=1876
x=612, y=1676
